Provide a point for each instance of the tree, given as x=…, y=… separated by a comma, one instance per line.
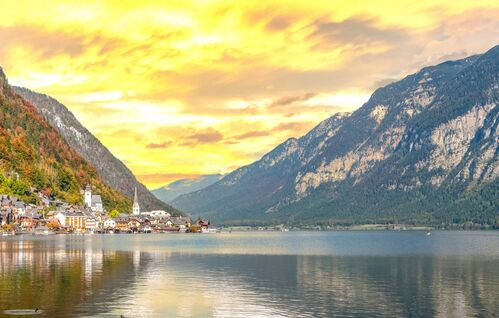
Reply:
x=114, y=213
x=47, y=209
x=54, y=224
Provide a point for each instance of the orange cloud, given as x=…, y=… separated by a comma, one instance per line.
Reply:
x=206, y=136
x=294, y=126
x=161, y=145
x=221, y=84
x=283, y=101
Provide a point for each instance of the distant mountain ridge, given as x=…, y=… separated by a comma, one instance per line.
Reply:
x=177, y=188
x=421, y=150
x=110, y=168
x=34, y=156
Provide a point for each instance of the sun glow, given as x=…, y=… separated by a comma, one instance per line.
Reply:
x=182, y=88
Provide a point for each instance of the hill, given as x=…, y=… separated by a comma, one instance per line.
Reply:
x=173, y=190
x=35, y=155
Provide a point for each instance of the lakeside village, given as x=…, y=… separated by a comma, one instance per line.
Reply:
x=17, y=217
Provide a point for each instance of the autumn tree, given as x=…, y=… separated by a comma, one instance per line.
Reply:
x=53, y=224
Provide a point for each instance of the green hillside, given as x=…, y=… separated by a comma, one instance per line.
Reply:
x=34, y=155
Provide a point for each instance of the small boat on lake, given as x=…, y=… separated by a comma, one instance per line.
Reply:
x=43, y=230
x=210, y=231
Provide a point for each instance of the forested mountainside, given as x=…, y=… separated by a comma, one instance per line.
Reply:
x=35, y=155
x=108, y=167
x=422, y=150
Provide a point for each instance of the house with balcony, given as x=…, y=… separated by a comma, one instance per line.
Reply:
x=76, y=220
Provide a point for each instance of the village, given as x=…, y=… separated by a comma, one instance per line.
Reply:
x=57, y=217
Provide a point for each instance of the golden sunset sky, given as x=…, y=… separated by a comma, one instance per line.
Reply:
x=181, y=88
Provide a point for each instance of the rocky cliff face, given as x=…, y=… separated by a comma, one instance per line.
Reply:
x=111, y=169
x=424, y=149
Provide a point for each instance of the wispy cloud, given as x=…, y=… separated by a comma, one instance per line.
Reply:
x=183, y=91
x=206, y=136
x=251, y=134
x=160, y=145
x=287, y=100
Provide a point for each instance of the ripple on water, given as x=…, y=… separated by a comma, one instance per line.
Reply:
x=23, y=312
x=388, y=274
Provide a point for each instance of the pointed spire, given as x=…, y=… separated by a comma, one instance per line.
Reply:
x=136, y=206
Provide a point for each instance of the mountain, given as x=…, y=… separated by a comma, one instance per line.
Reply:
x=177, y=188
x=421, y=150
x=111, y=169
x=35, y=155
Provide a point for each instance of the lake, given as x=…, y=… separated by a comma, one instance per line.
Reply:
x=253, y=274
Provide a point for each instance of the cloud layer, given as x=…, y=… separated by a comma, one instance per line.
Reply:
x=188, y=88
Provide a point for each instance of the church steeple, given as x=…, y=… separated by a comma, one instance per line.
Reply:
x=88, y=196
x=136, y=206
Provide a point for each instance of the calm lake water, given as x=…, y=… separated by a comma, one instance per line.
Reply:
x=258, y=274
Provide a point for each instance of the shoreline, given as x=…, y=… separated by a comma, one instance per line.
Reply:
x=427, y=231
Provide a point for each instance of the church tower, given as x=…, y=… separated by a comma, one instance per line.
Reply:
x=136, y=206
x=88, y=195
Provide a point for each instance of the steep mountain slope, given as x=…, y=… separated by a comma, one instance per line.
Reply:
x=33, y=154
x=423, y=150
x=111, y=169
x=177, y=188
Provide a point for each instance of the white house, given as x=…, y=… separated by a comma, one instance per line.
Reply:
x=90, y=223
x=20, y=207
x=97, y=204
x=109, y=224
x=61, y=217
x=160, y=214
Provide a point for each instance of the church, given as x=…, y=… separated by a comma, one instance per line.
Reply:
x=93, y=201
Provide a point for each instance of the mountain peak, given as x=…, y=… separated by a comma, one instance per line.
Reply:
x=493, y=51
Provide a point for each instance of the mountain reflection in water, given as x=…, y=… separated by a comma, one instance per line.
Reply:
x=211, y=276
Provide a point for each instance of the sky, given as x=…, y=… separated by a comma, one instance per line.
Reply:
x=177, y=89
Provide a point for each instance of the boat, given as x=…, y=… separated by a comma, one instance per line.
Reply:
x=43, y=230
x=210, y=231
x=428, y=233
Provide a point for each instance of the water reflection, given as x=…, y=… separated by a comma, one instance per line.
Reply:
x=69, y=276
